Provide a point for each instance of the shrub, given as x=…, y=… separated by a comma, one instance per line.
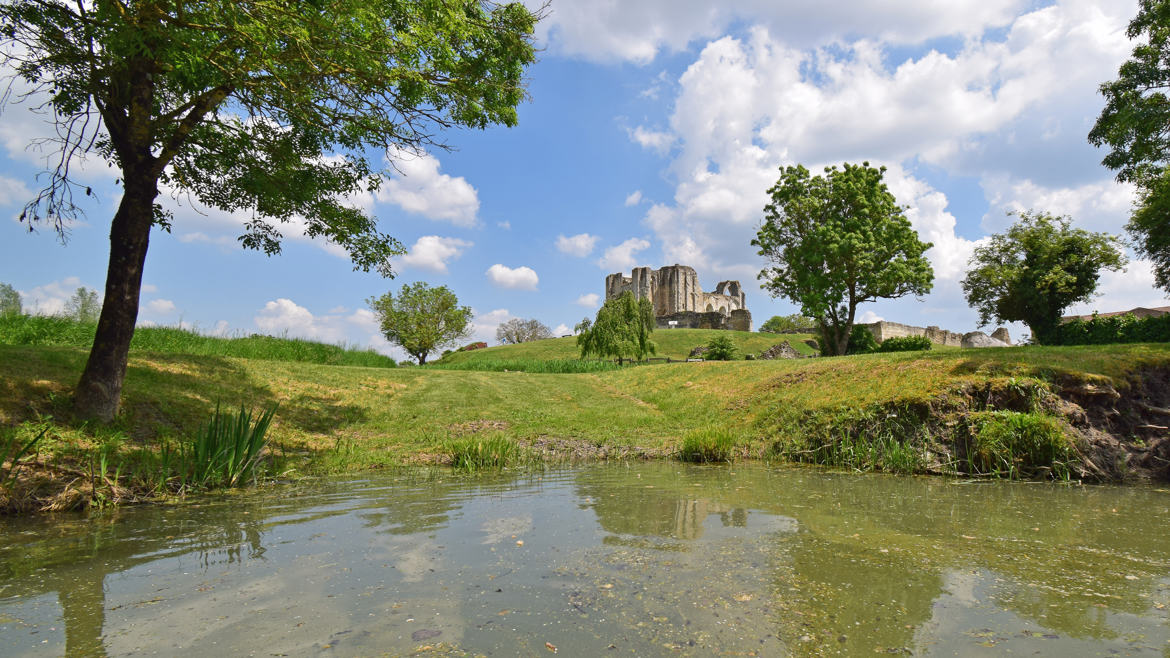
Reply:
x=1126, y=328
x=906, y=344
x=1014, y=444
x=720, y=348
x=477, y=453
x=472, y=346
x=861, y=341
x=710, y=444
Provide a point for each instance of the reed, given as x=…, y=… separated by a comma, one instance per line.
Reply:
x=480, y=453
x=708, y=444
x=227, y=450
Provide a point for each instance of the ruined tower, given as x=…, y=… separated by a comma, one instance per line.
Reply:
x=679, y=301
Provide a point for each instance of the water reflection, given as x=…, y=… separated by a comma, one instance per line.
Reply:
x=650, y=559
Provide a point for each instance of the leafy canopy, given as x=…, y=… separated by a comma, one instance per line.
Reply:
x=422, y=319
x=788, y=323
x=720, y=348
x=1036, y=269
x=83, y=306
x=517, y=331
x=241, y=104
x=1133, y=126
x=836, y=241
x=9, y=300
x=621, y=330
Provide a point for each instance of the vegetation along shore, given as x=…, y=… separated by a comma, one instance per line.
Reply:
x=1089, y=413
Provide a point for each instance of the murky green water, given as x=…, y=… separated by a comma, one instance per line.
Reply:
x=645, y=560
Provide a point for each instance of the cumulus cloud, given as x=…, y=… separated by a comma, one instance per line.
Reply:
x=622, y=256
x=484, y=325
x=520, y=278
x=431, y=253
x=580, y=245
x=655, y=140
x=13, y=192
x=590, y=300
x=419, y=188
x=160, y=306
x=634, y=198
x=50, y=298
x=1097, y=206
x=562, y=330
x=285, y=317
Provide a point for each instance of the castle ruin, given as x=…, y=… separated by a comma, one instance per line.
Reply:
x=678, y=300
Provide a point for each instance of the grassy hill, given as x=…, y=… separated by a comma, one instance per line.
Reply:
x=909, y=412
x=673, y=343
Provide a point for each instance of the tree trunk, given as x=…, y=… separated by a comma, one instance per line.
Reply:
x=99, y=392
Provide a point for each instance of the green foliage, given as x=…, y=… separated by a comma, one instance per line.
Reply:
x=861, y=341
x=1131, y=125
x=9, y=300
x=1036, y=269
x=13, y=448
x=59, y=330
x=795, y=323
x=720, y=348
x=479, y=453
x=622, y=330
x=83, y=306
x=516, y=331
x=1126, y=328
x=1019, y=445
x=558, y=366
x=836, y=241
x=227, y=450
x=709, y=444
x=906, y=344
x=877, y=438
x=422, y=319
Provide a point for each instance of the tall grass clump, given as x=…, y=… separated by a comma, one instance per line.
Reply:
x=550, y=366
x=227, y=450
x=708, y=444
x=890, y=439
x=13, y=448
x=479, y=453
x=1019, y=445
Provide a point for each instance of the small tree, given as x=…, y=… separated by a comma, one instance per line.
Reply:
x=83, y=306
x=622, y=330
x=582, y=326
x=788, y=323
x=422, y=319
x=1036, y=269
x=720, y=348
x=517, y=331
x=9, y=300
x=836, y=241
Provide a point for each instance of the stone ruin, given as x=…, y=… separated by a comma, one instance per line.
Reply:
x=885, y=330
x=678, y=300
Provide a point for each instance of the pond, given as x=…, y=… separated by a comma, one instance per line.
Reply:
x=644, y=559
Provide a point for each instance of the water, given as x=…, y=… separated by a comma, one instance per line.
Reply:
x=650, y=559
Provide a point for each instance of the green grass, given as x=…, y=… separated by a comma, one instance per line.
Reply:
x=557, y=366
x=708, y=444
x=46, y=330
x=878, y=411
x=1013, y=444
x=673, y=343
x=483, y=453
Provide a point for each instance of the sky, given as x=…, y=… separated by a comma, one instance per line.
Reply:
x=653, y=130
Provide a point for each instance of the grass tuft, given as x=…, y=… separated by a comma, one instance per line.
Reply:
x=1014, y=445
x=480, y=453
x=708, y=444
x=227, y=450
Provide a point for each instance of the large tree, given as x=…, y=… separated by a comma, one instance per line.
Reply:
x=517, y=331
x=1036, y=269
x=9, y=300
x=1135, y=126
x=270, y=108
x=422, y=319
x=621, y=330
x=837, y=241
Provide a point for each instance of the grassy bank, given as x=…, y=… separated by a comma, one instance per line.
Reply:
x=910, y=412
x=48, y=330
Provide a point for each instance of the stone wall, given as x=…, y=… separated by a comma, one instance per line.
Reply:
x=883, y=330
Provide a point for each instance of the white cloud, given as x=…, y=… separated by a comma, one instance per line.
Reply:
x=634, y=198
x=285, y=317
x=506, y=225
x=221, y=328
x=160, y=306
x=1121, y=291
x=590, y=300
x=520, y=278
x=562, y=330
x=484, y=325
x=149, y=288
x=201, y=237
x=432, y=253
x=50, y=298
x=13, y=192
x=580, y=245
x=622, y=256
x=419, y=188
x=869, y=317
x=1096, y=206
x=654, y=140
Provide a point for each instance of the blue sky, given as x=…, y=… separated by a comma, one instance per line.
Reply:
x=652, y=134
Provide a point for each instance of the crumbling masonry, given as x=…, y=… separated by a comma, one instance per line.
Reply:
x=680, y=302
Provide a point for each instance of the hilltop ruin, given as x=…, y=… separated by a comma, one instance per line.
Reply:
x=678, y=300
